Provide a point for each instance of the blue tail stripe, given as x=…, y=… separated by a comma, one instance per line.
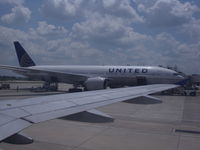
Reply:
x=23, y=57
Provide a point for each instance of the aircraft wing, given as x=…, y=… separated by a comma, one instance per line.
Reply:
x=71, y=77
x=16, y=115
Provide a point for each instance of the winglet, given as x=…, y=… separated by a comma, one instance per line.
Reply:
x=23, y=57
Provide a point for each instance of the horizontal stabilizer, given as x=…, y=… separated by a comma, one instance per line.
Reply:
x=92, y=116
x=147, y=99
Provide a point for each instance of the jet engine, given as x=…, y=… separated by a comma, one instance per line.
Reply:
x=96, y=83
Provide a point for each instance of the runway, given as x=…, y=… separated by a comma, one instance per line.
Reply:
x=173, y=124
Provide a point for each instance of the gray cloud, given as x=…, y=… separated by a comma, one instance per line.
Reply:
x=192, y=30
x=122, y=8
x=18, y=14
x=13, y=2
x=49, y=30
x=106, y=32
x=61, y=8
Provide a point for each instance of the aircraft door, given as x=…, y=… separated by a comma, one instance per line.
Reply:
x=141, y=80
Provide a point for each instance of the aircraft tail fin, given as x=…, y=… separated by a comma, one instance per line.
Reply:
x=23, y=57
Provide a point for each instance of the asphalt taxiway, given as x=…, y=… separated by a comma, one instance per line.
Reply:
x=173, y=124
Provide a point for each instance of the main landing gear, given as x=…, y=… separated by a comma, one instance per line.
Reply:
x=50, y=86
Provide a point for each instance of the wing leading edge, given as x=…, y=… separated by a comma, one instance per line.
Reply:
x=28, y=71
x=17, y=115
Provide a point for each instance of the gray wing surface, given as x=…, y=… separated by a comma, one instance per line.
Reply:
x=16, y=115
x=22, y=70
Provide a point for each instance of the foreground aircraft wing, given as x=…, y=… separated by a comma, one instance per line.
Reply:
x=16, y=115
x=32, y=71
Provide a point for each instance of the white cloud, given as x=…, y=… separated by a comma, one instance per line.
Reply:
x=108, y=3
x=192, y=30
x=8, y=35
x=121, y=8
x=77, y=9
x=106, y=32
x=61, y=8
x=166, y=13
x=99, y=26
x=18, y=14
x=15, y=2
x=49, y=29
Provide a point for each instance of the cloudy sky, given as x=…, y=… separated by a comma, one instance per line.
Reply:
x=103, y=32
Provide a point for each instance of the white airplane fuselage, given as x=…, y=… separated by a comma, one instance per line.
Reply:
x=117, y=75
x=93, y=77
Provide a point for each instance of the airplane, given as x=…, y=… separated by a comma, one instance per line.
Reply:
x=16, y=115
x=92, y=77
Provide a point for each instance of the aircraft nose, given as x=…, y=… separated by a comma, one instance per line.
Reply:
x=182, y=80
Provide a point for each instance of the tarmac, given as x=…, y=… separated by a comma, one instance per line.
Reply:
x=173, y=124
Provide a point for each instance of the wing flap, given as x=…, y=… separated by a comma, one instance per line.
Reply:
x=48, y=107
x=16, y=113
x=5, y=119
x=10, y=125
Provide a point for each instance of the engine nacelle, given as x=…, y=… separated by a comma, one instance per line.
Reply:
x=96, y=83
